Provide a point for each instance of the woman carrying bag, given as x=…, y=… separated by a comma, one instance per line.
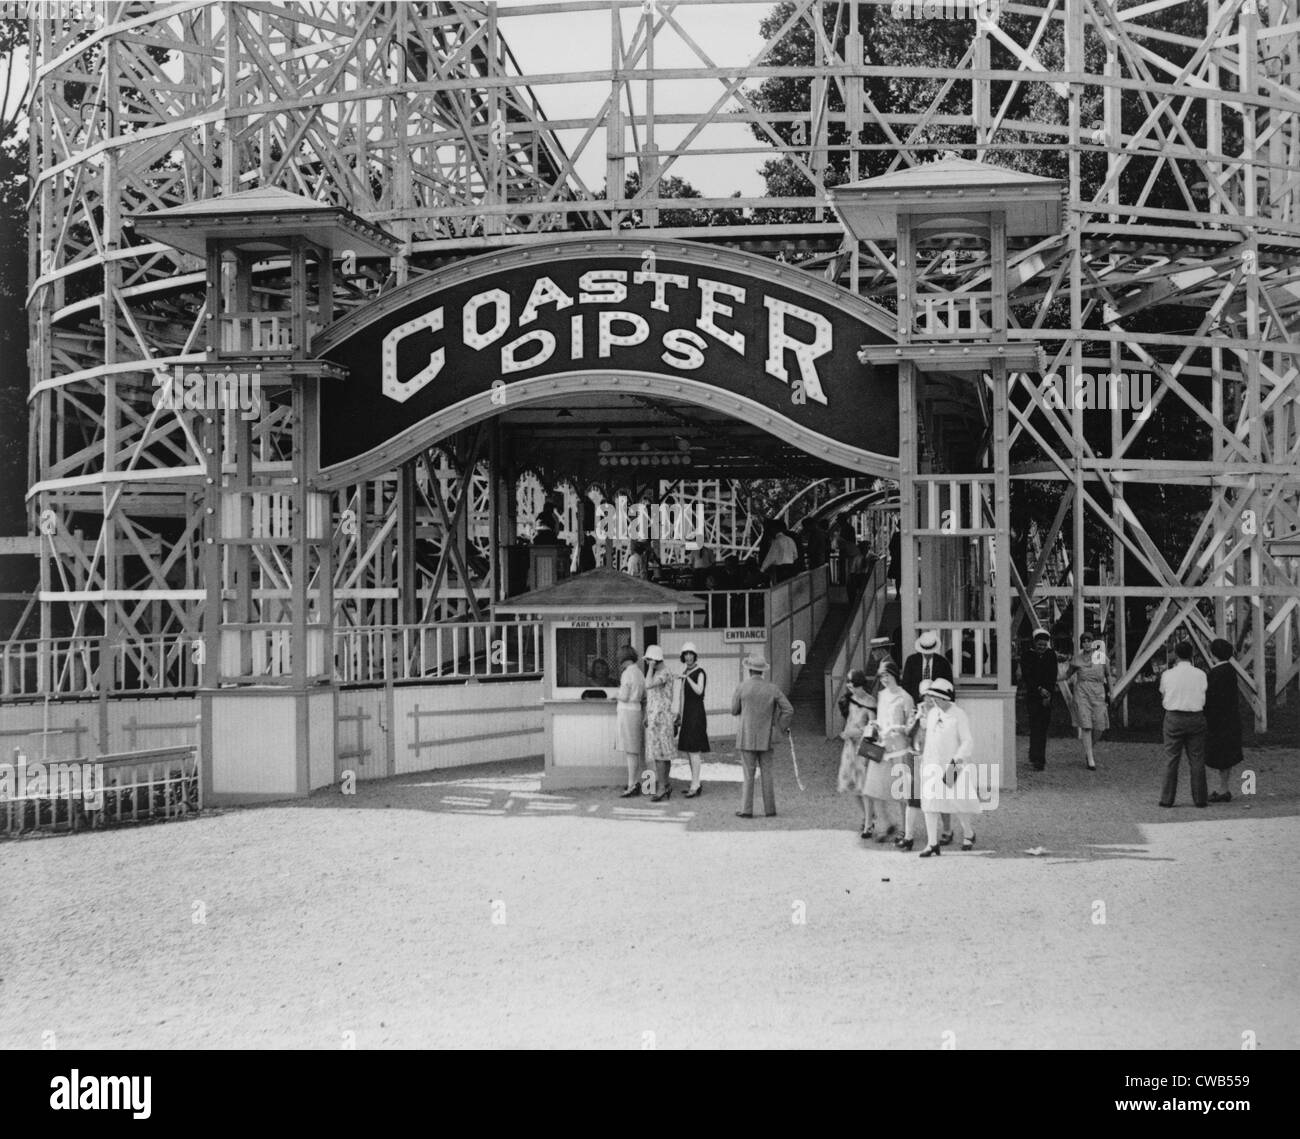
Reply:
x=944, y=787
x=891, y=778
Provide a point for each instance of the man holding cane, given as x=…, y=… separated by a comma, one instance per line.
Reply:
x=762, y=708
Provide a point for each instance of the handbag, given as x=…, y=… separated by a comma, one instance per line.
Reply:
x=871, y=751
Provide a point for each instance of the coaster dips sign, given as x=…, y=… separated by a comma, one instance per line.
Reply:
x=771, y=344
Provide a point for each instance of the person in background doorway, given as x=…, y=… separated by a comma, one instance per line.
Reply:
x=1091, y=669
x=857, y=706
x=1038, y=672
x=587, y=554
x=638, y=560
x=546, y=526
x=659, y=745
x=814, y=543
x=693, y=733
x=1182, y=692
x=631, y=733
x=1222, y=718
x=763, y=711
x=896, y=558
x=782, y=558
x=701, y=568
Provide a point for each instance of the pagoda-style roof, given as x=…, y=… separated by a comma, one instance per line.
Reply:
x=261, y=220
x=949, y=187
x=601, y=591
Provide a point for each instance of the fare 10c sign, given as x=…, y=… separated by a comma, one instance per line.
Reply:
x=745, y=332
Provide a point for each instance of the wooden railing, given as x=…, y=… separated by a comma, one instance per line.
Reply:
x=853, y=649
x=74, y=666
x=259, y=333
x=106, y=790
x=723, y=609
x=456, y=651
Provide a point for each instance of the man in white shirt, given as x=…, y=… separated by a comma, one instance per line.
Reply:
x=782, y=555
x=1182, y=692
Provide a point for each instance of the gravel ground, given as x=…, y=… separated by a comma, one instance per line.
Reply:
x=468, y=909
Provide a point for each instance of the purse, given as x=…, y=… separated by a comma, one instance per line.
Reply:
x=871, y=751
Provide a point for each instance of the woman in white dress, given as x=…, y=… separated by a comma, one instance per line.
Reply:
x=631, y=734
x=890, y=780
x=858, y=706
x=945, y=788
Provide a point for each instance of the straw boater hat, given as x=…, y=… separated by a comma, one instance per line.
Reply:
x=689, y=647
x=755, y=663
x=942, y=688
x=654, y=652
x=927, y=642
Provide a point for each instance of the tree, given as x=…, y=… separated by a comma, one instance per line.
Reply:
x=673, y=187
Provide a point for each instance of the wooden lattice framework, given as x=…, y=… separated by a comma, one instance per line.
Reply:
x=418, y=117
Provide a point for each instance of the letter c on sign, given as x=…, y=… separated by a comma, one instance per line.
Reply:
x=394, y=388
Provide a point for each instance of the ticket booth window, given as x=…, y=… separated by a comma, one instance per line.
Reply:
x=588, y=658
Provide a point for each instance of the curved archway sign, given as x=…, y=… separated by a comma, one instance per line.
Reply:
x=768, y=344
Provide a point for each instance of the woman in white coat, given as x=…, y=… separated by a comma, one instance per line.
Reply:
x=631, y=733
x=944, y=787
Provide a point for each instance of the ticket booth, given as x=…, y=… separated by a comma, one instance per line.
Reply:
x=586, y=620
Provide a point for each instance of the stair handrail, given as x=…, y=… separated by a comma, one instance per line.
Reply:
x=848, y=653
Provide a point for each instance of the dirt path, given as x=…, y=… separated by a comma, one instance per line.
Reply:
x=373, y=915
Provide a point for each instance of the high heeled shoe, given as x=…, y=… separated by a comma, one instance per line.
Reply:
x=945, y=839
x=905, y=843
x=968, y=843
x=929, y=850
x=635, y=789
x=692, y=792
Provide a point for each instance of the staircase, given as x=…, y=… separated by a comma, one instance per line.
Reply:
x=807, y=693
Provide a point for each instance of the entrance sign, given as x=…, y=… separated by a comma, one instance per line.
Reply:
x=773, y=345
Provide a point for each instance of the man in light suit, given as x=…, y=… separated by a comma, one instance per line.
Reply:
x=763, y=709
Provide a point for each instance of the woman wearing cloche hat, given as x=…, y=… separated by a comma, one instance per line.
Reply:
x=659, y=745
x=857, y=706
x=693, y=736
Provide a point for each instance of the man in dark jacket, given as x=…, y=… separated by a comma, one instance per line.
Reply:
x=1038, y=672
x=924, y=664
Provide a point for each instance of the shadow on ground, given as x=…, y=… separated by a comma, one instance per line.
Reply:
x=1061, y=815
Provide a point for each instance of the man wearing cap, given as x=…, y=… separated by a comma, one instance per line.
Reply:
x=762, y=708
x=1038, y=672
x=924, y=664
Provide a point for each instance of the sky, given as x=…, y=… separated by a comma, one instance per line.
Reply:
x=580, y=41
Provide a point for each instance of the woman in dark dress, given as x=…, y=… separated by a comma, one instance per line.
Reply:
x=693, y=738
x=1222, y=719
